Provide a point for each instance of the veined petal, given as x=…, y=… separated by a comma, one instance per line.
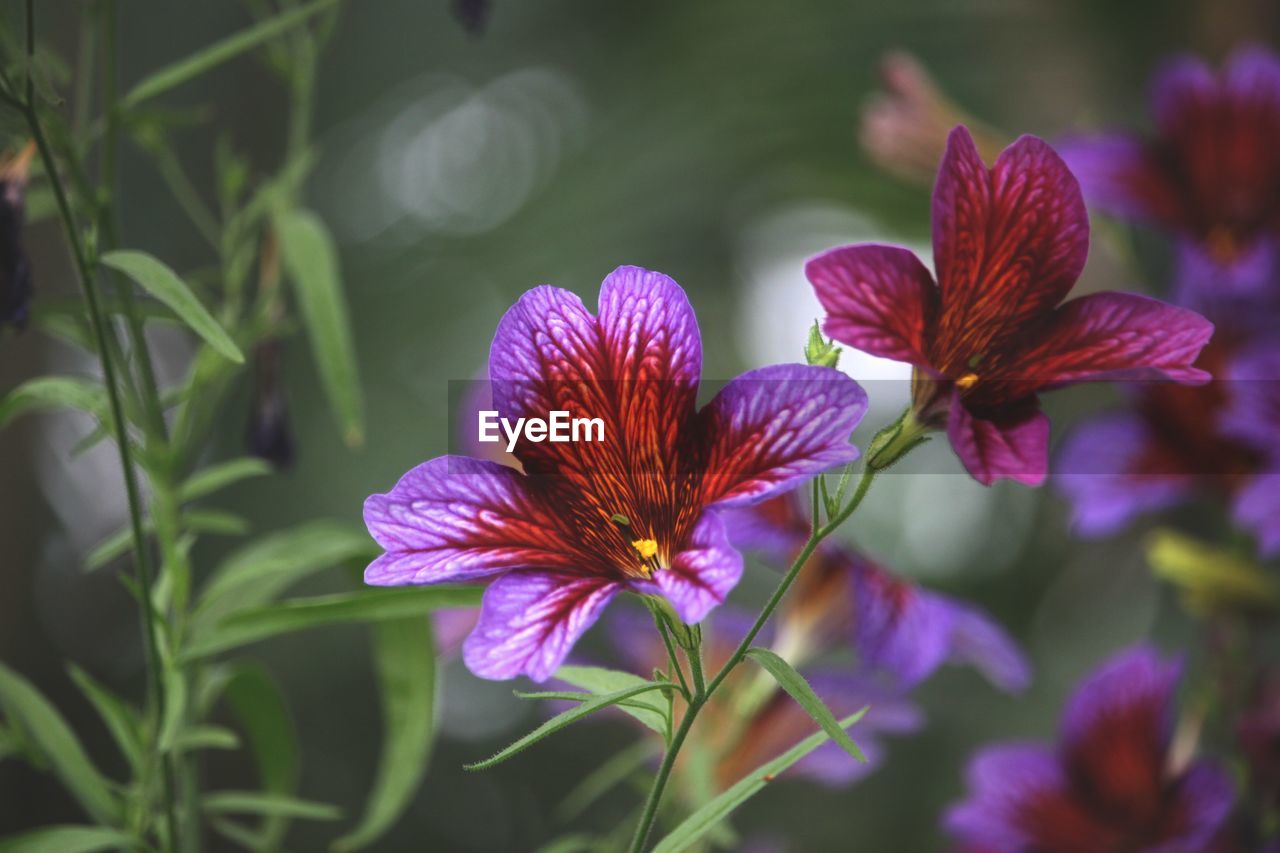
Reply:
x=1121, y=175
x=879, y=299
x=1015, y=447
x=1099, y=470
x=1117, y=727
x=457, y=519
x=1008, y=244
x=529, y=621
x=1113, y=336
x=653, y=357
x=701, y=576
x=772, y=428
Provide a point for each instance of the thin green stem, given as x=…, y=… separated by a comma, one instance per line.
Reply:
x=672, y=658
x=694, y=655
x=650, y=811
x=102, y=334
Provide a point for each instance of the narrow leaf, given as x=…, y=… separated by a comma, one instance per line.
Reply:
x=259, y=705
x=258, y=803
x=260, y=571
x=206, y=737
x=709, y=815
x=600, y=680
x=68, y=839
x=55, y=392
x=605, y=778
x=365, y=606
x=405, y=659
x=218, y=53
x=217, y=477
x=175, y=710
x=566, y=719
x=165, y=285
x=122, y=721
x=311, y=262
x=796, y=686
x=49, y=733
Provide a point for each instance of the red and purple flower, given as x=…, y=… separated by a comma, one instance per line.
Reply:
x=1179, y=443
x=1209, y=175
x=1109, y=785
x=637, y=511
x=898, y=629
x=1009, y=243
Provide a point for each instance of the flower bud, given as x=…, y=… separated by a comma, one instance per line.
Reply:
x=1210, y=579
x=819, y=351
x=15, y=267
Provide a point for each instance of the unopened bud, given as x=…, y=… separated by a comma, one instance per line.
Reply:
x=820, y=351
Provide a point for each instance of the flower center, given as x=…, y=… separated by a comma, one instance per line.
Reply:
x=647, y=548
x=1222, y=245
x=964, y=383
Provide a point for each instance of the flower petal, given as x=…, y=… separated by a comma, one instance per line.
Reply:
x=772, y=428
x=1099, y=471
x=898, y=627
x=1257, y=507
x=1019, y=800
x=457, y=519
x=878, y=299
x=1206, y=282
x=1113, y=336
x=1015, y=447
x=1008, y=243
x=530, y=620
x=701, y=576
x=1122, y=175
x=978, y=641
x=1181, y=86
x=1116, y=730
x=1205, y=797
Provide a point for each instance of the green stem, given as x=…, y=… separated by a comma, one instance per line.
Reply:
x=102, y=335
x=650, y=811
x=672, y=659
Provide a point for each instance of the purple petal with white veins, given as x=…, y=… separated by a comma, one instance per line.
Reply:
x=530, y=620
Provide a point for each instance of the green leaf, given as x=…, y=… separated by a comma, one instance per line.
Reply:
x=216, y=521
x=206, y=737
x=217, y=477
x=122, y=721
x=219, y=52
x=49, y=733
x=795, y=685
x=568, y=718
x=175, y=710
x=165, y=285
x=259, y=705
x=8, y=744
x=55, y=392
x=260, y=571
x=405, y=658
x=600, y=681
x=372, y=605
x=709, y=815
x=274, y=805
x=68, y=839
x=311, y=262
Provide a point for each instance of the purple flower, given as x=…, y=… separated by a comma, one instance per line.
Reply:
x=638, y=510
x=1177, y=443
x=1108, y=785
x=897, y=628
x=992, y=331
x=1209, y=175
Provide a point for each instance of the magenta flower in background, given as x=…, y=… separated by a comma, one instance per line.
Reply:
x=1110, y=783
x=1209, y=175
x=992, y=331
x=637, y=511
x=898, y=629
x=1177, y=443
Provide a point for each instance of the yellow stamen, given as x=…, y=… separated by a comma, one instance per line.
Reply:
x=645, y=547
x=964, y=383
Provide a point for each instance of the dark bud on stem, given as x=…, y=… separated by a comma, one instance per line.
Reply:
x=269, y=436
x=15, y=267
x=472, y=14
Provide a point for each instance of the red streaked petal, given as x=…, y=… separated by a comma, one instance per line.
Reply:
x=457, y=519
x=530, y=620
x=1112, y=336
x=772, y=428
x=1008, y=244
x=1011, y=445
x=879, y=299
